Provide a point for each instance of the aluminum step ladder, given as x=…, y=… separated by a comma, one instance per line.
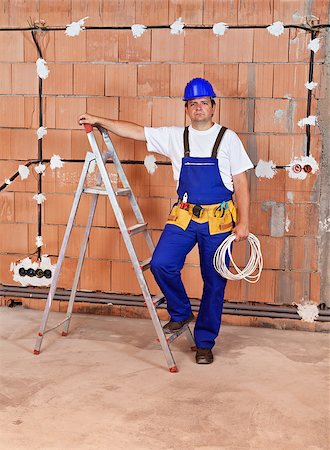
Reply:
x=104, y=186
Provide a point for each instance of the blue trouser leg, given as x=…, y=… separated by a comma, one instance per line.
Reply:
x=209, y=318
x=166, y=265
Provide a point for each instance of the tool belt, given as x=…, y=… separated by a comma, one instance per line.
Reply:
x=220, y=216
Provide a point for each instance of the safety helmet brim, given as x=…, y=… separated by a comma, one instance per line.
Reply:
x=198, y=87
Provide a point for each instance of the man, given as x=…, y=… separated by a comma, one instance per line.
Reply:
x=209, y=162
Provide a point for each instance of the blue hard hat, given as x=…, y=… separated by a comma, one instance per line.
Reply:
x=198, y=87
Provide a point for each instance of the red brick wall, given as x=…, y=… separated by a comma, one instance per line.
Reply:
x=109, y=73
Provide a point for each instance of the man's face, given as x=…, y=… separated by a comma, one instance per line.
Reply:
x=200, y=109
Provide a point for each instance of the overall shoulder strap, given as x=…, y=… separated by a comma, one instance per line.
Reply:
x=186, y=142
x=217, y=142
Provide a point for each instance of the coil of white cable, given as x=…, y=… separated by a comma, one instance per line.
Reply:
x=254, y=264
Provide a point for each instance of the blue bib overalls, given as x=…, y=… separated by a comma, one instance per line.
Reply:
x=200, y=178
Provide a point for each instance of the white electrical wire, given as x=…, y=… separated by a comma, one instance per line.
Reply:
x=255, y=262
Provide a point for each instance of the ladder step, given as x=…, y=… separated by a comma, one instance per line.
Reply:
x=174, y=336
x=136, y=228
x=102, y=191
x=158, y=300
x=123, y=191
x=95, y=190
x=145, y=264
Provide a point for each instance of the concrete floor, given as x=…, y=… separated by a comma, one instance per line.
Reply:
x=106, y=387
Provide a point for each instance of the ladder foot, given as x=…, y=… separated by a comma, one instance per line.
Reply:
x=64, y=333
x=173, y=369
x=36, y=352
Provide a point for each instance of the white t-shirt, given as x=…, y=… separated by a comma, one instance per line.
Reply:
x=168, y=141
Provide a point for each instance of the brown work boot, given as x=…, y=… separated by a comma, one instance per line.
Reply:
x=204, y=356
x=172, y=327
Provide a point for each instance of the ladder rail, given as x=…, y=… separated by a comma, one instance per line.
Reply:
x=82, y=252
x=89, y=157
x=80, y=264
x=154, y=316
x=123, y=178
x=126, y=237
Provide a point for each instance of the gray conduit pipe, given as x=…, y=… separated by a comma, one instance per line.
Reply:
x=230, y=308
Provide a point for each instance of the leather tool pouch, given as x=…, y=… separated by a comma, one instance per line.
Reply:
x=179, y=217
x=222, y=220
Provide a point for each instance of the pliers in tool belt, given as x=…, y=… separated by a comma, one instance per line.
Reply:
x=184, y=203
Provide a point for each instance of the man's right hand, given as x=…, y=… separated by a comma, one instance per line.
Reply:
x=87, y=118
x=119, y=127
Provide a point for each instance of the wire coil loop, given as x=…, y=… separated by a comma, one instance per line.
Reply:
x=254, y=264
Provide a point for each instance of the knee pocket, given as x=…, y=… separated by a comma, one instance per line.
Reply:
x=160, y=264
